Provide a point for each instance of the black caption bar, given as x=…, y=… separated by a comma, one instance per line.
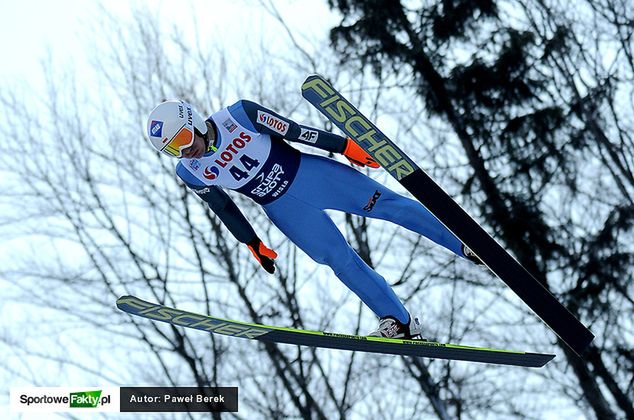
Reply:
x=179, y=399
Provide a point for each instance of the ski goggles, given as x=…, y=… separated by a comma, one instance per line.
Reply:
x=181, y=141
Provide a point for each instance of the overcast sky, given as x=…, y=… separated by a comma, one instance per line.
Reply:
x=29, y=27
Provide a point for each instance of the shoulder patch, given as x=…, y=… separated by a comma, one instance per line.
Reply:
x=229, y=125
x=309, y=136
x=272, y=122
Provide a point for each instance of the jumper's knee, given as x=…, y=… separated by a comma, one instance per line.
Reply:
x=338, y=260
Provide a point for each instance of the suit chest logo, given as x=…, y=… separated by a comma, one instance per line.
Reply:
x=238, y=163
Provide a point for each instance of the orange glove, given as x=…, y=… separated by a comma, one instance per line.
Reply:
x=357, y=155
x=264, y=255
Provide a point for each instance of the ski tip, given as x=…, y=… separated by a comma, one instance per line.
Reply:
x=130, y=304
x=315, y=82
x=120, y=302
x=313, y=77
x=122, y=299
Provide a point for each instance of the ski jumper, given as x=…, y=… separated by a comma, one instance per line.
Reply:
x=250, y=156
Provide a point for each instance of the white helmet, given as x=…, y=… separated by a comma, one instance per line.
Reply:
x=171, y=126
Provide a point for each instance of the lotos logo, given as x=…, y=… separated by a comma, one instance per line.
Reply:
x=211, y=172
x=272, y=122
x=233, y=148
x=156, y=128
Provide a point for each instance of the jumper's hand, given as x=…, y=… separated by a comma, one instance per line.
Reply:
x=264, y=255
x=357, y=155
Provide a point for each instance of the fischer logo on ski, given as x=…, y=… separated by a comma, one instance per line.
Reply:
x=418, y=348
x=175, y=316
x=355, y=125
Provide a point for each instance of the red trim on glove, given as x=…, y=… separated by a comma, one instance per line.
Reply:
x=357, y=155
x=263, y=254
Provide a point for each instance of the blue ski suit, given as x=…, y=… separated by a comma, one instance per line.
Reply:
x=249, y=155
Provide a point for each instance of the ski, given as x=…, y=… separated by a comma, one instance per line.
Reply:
x=348, y=119
x=264, y=333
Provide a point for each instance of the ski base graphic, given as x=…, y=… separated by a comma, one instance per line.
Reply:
x=430, y=349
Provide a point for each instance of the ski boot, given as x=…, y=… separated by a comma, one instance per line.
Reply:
x=390, y=327
x=470, y=255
